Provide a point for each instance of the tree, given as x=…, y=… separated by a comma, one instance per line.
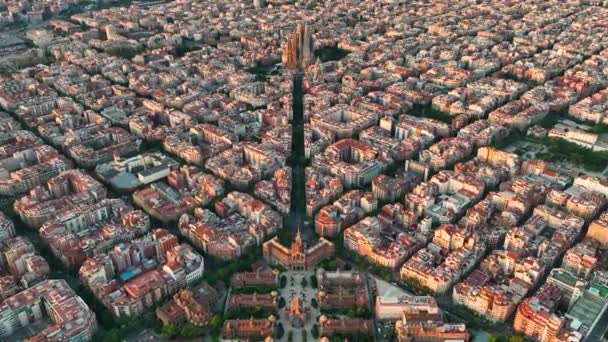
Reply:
x=565, y=150
x=189, y=330
x=283, y=282
x=315, y=331
x=313, y=281
x=304, y=283
x=280, y=268
x=151, y=322
x=498, y=338
x=290, y=336
x=245, y=313
x=115, y=335
x=169, y=330
x=313, y=303
x=304, y=335
x=363, y=313
x=130, y=324
x=516, y=338
x=216, y=322
x=598, y=129
x=329, y=264
x=415, y=286
x=281, y=303
x=280, y=331
x=106, y=318
x=254, y=289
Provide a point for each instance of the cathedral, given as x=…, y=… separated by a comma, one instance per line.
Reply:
x=298, y=257
x=298, y=53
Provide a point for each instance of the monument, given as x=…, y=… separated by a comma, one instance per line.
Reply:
x=299, y=50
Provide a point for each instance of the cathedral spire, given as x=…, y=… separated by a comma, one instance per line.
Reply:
x=298, y=52
x=298, y=239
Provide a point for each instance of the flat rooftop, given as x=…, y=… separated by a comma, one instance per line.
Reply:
x=587, y=309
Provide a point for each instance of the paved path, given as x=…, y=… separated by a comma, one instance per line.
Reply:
x=294, y=288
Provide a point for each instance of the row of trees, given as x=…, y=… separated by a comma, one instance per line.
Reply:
x=246, y=313
x=357, y=312
x=516, y=338
x=216, y=270
x=314, y=283
x=254, y=289
x=565, y=150
x=184, y=331
x=413, y=285
x=472, y=319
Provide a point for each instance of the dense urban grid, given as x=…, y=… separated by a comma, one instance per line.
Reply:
x=362, y=170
